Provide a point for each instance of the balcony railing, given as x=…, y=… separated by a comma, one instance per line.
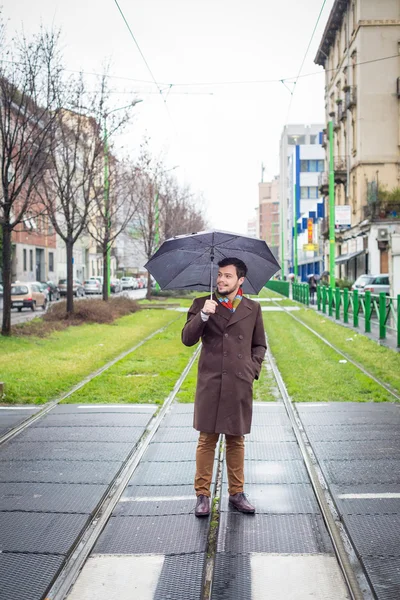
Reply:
x=342, y=112
x=382, y=210
x=351, y=97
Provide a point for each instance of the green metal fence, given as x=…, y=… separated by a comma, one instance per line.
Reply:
x=301, y=293
x=281, y=287
x=350, y=306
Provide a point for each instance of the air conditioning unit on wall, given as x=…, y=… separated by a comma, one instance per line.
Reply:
x=383, y=234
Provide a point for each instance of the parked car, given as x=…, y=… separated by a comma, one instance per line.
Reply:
x=97, y=278
x=128, y=283
x=54, y=292
x=372, y=283
x=27, y=295
x=77, y=286
x=115, y=286
x=92, y=286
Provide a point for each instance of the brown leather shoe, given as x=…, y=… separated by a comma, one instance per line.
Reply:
x=240, y=502
x=202, y=506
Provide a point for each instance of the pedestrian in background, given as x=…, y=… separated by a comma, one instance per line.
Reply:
x=312, y=285
x=231, y=329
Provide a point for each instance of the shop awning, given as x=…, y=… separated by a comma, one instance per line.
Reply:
x=346, y=257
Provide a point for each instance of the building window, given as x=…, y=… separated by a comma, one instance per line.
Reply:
x=25, y=259
x=313, y=139
x=308, y=192
x=311, y=166
x=31, y=260
x=51, y=261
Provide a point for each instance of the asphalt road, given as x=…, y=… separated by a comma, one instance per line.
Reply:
x=27, y=315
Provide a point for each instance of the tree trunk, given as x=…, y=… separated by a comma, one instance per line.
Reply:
x=7, y=250
x=105, y=272
x=70, y=277
x=148, y=293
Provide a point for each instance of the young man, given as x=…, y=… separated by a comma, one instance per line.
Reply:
x=231, y=329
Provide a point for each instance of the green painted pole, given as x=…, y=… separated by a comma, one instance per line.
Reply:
x=356, y=306
x=346, y=305
x=382, y=316
x=318, y=297
x=330, y=301
x=324, y=299
x=295, y=249
x=367, y=303
x=282, y=242
x=106, y=205
x=398, y=321
x=337, y=303
x=331, y=208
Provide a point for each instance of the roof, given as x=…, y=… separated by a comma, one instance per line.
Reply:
x=334, y=23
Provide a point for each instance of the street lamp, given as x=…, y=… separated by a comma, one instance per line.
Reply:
x=107, y=186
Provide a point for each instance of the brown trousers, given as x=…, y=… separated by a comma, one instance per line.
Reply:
x=205, y=461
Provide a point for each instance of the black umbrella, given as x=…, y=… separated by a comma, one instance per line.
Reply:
x=186, y=261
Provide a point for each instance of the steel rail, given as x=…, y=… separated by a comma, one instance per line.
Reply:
x=346, y=356
x=53, y=403
x=350, y=576
x=85, y=544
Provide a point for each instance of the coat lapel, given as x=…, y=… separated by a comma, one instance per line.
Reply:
x=221, y=310
x=243, y=310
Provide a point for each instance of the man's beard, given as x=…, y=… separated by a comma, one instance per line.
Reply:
x=227, y=291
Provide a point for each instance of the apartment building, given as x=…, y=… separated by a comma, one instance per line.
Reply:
x=268, y=214
x=34, y=250
x=298, y=143
x=360, y=52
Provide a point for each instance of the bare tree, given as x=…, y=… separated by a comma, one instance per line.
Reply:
x=181, y=211
x=29, y=75
x=73, y=178
x=113, y=210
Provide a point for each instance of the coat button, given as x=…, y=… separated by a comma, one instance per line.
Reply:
x=226, y=334
x=240, y=355
x=223, y=372
x=225, y=354
x=240, y=337
x=239, y=374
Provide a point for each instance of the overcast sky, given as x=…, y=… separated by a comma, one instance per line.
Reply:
x=219, y=133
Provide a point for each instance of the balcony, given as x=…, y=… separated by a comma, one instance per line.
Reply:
x=382, y=210
x=323, y=183
x=325, y=227
x=351, y=97
x=342, y=112
x=340, y=168
x=324, y=138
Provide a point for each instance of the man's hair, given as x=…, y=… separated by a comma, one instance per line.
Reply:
x=241, y=269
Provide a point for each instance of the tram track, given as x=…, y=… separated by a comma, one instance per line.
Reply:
x=53, y=403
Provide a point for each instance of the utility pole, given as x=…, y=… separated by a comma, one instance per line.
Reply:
x=331, y=208
x=295, y=249
x=106, y=204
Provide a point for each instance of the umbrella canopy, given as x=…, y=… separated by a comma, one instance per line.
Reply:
x=186, y=261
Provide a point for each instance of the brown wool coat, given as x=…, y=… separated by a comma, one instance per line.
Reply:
x=233, y=348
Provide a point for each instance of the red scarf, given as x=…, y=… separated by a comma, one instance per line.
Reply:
x=224, y=300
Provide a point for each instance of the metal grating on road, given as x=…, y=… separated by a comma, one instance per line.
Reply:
x=176, y=434
x=178, y=420
x=232, y=577
x=326, y=433
x=183, y=408
x=274, y=433
x=273, y=472
x=277, y=499
x=39, y=532
x=76, y=451
x=161, y=474
x=267, y=451
x=293, y=534
x=269, y=419
x=185, y=451
x=58, y=471
x=384, y=574
x=94, y=420
x=27, y=576
x=155, y=507
x=129, y=435
x=181, y=578
x=104, y=408
x=362, y=471
x=179, y=534
x=372, y=449
x=50, y=497
x=148, y=491
x=375, y=535
x=368, y=506
x=352, y=417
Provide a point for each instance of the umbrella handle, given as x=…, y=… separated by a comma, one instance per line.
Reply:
x=211, y=278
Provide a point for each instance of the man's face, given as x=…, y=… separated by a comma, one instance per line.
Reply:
x=227, y=280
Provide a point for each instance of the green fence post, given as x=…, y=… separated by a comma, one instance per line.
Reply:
x=367, y=304
x=307, y=295
x=346, y=305
x=324, y=299
x=337, y=303
x=382, y=316
x=398, y=321
x=319, y=298
x=330, y=301
x=355, y=308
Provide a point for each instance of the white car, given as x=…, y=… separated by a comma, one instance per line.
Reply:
x=128, y=283
x=372, y=283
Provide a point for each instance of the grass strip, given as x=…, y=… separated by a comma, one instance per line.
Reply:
x=146, y=376
x=311, y=370
x=382, y=362
x=36, y=370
